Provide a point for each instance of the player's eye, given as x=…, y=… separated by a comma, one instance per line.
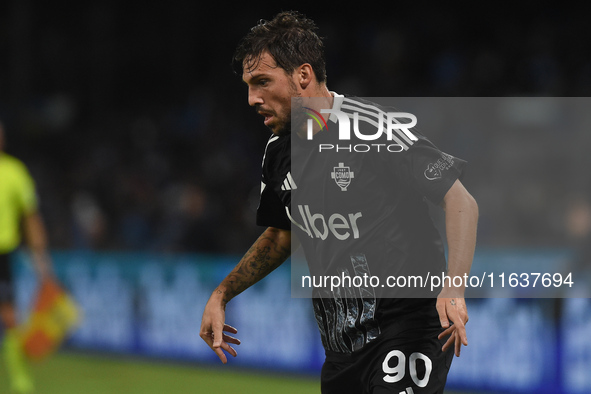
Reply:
x=263, y=82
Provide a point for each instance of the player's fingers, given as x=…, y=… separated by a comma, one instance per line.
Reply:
x=446, y=332
x=230, y=339
x=207, y=336
x=229, y=349
x=461, y=331
x=458, y=344
x=462, y=336
x=218, y=335
x=220, y=354
x=218, y=349
x=450, y=341
x=230, y=329
x=440, y=306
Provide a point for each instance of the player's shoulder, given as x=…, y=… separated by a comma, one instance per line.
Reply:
x=367, y=110
x=371, y=112
x=272, y=140
x=276, y=142
x=351, y=104
x=11, y=164
x=277, y=150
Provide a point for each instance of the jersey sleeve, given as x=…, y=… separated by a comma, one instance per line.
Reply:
x=26, y=196
x=430, y=171
x=271, y=210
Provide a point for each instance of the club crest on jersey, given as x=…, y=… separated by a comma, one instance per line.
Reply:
x=342, y=175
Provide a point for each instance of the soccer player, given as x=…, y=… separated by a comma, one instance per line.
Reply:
x=18, y=204
x=373, y=344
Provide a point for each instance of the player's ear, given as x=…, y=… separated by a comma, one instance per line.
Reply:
x=305, y=75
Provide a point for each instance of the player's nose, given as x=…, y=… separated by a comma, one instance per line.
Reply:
x=254, y=98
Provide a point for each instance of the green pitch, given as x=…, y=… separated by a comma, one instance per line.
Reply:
x=72, y=373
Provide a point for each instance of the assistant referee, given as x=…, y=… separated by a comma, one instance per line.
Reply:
x=19, y=214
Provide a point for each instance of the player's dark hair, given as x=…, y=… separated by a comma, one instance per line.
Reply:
x=290, y=38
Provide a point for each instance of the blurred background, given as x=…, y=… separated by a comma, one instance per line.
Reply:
x=147, y=158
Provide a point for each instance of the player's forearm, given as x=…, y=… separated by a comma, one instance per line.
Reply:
x=35, y=234
x=268, y=252
x=36, y=238
x=461, y=219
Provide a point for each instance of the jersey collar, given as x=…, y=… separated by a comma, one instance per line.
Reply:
x=336, y=105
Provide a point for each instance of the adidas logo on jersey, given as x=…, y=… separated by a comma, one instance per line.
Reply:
x=288, y=183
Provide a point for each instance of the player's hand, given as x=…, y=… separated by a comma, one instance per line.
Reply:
x=213, y=330
x=453, y=310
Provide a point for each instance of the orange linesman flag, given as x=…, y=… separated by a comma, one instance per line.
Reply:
x=55, y=314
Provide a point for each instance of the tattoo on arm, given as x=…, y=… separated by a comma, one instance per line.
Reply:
x=269, y=251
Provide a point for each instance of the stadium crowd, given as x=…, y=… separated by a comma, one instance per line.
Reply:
x=140, y=137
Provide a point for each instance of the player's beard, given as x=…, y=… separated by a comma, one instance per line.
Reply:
x=281, y=124
x=293, y=111
x=284, y=128
x=298, y=117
